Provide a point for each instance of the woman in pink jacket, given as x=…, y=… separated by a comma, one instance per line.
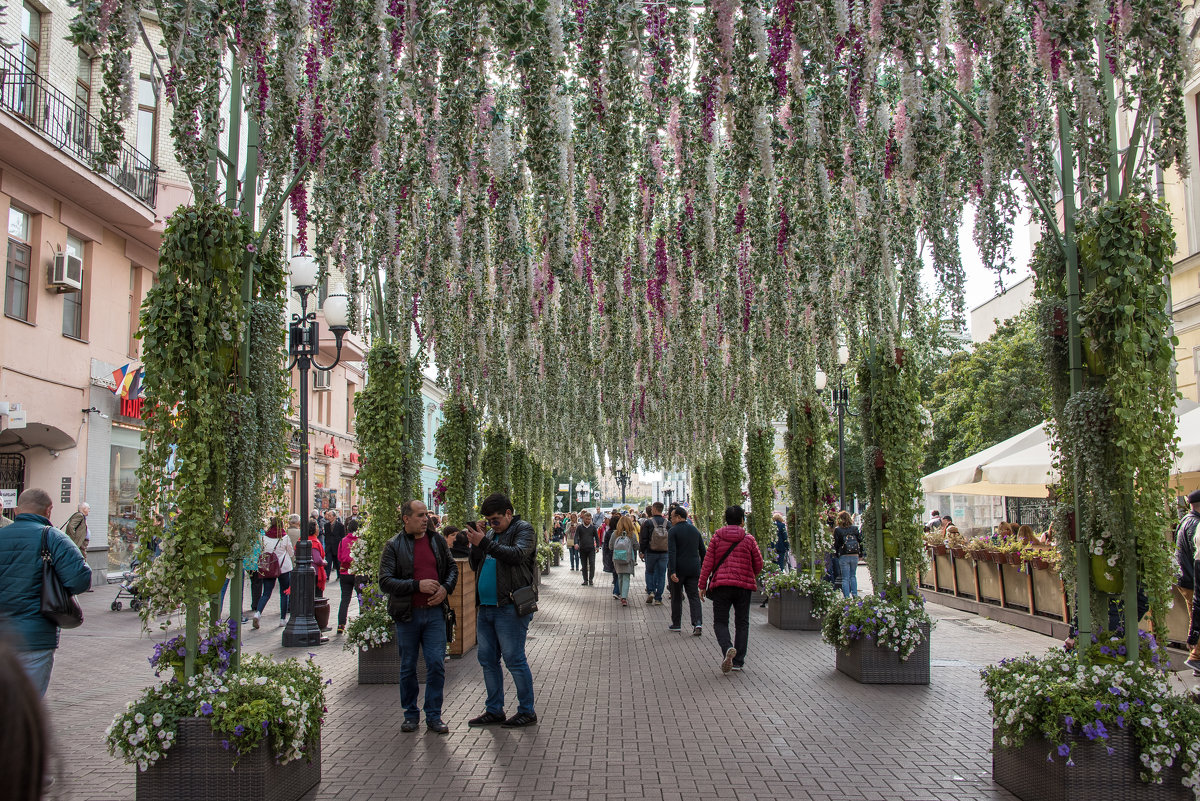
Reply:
x=731, y=567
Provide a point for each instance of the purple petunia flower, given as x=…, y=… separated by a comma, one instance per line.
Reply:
x=239, y=730
x=1064, y=750
x=225, y=744
x=206, y=708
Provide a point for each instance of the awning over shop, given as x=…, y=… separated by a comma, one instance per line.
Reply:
x=34, y=435
x=970, y=470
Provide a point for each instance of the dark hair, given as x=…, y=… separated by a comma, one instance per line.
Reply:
x=406, y=508
x=448, y=530
x=679, y=510
x=735, y=516
x=496, y=503
x=936, y=513
x=657, y=507
x=948, y=518
x=23, y=737
x=352, y=525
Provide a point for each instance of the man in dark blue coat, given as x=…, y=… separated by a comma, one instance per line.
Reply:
x=685, y=555
x=21, y=581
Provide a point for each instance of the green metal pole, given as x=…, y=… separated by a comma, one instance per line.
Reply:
x=1083, y=574
x=235, y=136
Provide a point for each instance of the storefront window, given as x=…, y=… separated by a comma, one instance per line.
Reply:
x=125, y=455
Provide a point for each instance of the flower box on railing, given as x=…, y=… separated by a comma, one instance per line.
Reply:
x=198, y=766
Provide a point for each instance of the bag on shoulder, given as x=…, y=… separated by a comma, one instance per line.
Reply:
x=623, y=550
x=659, y=539
x=851, y=543
x=269, y=564
x=524, y=600
x=58, y=605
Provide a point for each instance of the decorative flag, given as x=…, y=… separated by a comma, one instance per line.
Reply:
x=119, y=378
x=124, y=389
x=135, y=384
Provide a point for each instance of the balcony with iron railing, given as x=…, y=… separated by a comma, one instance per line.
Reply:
x=60, y=120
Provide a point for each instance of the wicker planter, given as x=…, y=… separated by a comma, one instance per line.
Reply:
x=1095, y=776
x=198, y=767
x=546, y=569
x=867, y=663
x=793, y=612
x=555, y=559
x=382, y=665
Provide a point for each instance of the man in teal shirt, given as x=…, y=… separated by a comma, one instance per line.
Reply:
x=21, y=590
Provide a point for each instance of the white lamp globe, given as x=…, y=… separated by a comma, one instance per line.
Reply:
x=843, y=355
x=819, y=380
x=337, y=311
x=304, y=271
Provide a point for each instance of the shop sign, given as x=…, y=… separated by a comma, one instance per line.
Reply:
x=132, y=407
x=8, y=499
x=331, y=450
x=353, y=457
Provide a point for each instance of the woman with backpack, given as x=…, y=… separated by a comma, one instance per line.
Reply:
x=730, y=575
x=847, y=544
x=275, y=564
x=624, y=555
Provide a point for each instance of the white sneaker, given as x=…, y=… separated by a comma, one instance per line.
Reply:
x=254, y=622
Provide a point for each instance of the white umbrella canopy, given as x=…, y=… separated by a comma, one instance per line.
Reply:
x=968, y=471
x=1189, y=443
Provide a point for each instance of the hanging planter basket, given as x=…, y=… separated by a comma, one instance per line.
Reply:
x=867, y=662
x=1105, y=578
x=216, y=569
x=198, y=767
x=1096, y=776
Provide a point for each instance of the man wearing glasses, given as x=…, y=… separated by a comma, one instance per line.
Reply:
x=503, y=561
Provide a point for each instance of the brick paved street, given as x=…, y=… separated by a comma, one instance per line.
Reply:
x=790, y=726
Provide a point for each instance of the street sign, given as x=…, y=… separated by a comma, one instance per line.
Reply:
x=564, y=487
x=560, y=503
x=8, y=499
x=16, y=418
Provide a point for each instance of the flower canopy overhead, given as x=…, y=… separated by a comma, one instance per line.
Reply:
x=635, y=225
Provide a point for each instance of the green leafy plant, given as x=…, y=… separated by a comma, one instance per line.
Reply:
x=731, y=474
x=891, y=618
x=278, y=703
x=760, y=464
x=458, y=450
x=496, y=468
x=803, y=582
x=807, y=458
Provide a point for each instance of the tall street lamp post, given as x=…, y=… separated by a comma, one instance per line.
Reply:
x=667, y=493
x=304, y=336
x=841, y=402
x=623, y=480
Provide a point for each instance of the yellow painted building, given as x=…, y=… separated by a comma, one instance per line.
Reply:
x=1183, y=199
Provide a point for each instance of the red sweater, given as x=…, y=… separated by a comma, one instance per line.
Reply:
x=743, y=564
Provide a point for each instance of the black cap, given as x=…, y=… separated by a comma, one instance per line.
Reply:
x=1194, y=496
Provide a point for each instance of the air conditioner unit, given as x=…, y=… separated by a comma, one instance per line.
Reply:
x=323, y=379
x=67, y=273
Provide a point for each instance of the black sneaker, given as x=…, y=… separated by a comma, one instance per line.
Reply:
x=437, y=727
x=675, y=628
x=408, y=726
x=519, y=720
x=486, y=719
x=736, y=667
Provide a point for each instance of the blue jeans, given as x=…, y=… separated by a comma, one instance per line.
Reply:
x=38, y=665
x=285, y=585
x=848, y=572
x=574, y=558
x=656, y=574
x=500, y=633
x=426, y=631
x=622, y=589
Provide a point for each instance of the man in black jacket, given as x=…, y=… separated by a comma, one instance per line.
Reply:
x=418, y=574
x=335, y=530
x=587, y=540
x=504, y=561
x=685, y=555
x=1185, y=554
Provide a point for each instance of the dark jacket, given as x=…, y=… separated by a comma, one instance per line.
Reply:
x=839, y=540
x=396, y=572
x=1185, y=550
x=606, y=560
x=515, y=552
x=21, y=578
x=586, y=537
x=333, y=533
x=647, y=532
x=685, y=550
x=782, y=546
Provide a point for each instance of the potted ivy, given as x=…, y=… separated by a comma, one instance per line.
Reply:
x=881, y=638
x=797, y=600
x=544, y=555
x=253, y=732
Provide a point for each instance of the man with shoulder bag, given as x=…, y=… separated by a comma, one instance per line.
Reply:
x=23, y=547
x=418, y=574
x=505, y=563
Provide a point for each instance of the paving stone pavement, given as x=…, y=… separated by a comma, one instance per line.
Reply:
x=625, y=709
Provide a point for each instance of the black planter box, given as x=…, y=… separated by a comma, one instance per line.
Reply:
x=867, y=663
x=1095, y=776
x=793, y=612
x=382, y=665
x=196, y=766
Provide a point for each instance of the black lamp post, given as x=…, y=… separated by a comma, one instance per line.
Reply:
x=623, y=480
x=841, y=403
x=667, y=492
x=304, y=336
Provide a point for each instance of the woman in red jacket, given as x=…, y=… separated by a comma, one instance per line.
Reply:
x=731, y=567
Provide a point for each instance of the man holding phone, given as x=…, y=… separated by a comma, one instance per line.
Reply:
x=504, y=562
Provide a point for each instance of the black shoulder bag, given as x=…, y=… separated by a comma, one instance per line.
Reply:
x=58, y=605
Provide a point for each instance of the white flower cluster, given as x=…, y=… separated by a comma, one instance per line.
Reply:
x=897, y=626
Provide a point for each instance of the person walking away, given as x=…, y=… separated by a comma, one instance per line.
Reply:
x=418, y=574
x=293, y=530
x=653, y=548
x=729, y=575
x=334, y=531
x=504, y=563
x=847, y=544
x=276, y=564
x=572, y=522
x=607, y=532
x=36, y=637
x=346, y=579
x=1185, y=555
x=25, y=736
x=624, y=550
x=584, y=543
x=782, y=546
x=685, y=556
x=77, y=527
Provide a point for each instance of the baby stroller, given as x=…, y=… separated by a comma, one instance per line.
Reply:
x=128, y=588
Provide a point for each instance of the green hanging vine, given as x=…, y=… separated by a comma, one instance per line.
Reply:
x=496, y=472
x=760, y=464
x=731, y=474
x=807, y=459
x=458, y=450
